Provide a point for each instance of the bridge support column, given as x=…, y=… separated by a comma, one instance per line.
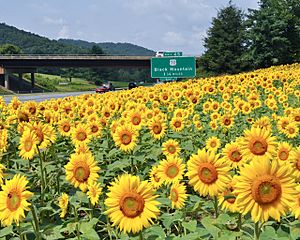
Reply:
x=20, y=79
x=32, y=80
x=6, y=80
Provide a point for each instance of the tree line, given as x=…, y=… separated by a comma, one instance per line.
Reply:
x=238, y=41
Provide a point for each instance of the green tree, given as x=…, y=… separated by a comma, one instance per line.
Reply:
x=96, y=50
x=225, y=42
x=273, y=33
x=9, y=49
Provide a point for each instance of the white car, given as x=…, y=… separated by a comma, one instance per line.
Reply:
x=159, y=54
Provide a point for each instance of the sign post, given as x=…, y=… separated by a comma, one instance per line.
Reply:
x=173, y=67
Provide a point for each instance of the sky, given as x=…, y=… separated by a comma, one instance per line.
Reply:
x=159, y=25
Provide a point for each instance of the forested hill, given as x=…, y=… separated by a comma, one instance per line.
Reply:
x=35, y=44
x=111, y=48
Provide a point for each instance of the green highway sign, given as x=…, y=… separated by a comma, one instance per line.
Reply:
x=173, y=67
x=172, y=54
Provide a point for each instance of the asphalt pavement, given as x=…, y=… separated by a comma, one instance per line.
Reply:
x=39, y=97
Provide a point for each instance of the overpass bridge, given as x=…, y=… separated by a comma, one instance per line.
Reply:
x=22, y=63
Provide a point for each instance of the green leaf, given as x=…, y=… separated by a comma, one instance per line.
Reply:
x=213, y=230
x=191, y=225
x=155, y=230
x=268, y=233
x=295, y=232
x=6, y=231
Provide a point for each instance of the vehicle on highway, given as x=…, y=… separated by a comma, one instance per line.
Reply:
x=106, y=87
x=132, y=85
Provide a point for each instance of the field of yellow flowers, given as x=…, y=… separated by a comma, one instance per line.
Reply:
x=214, y=158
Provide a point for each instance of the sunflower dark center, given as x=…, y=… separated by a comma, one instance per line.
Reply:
x=157, y=128
x=28, y=145
x=213, y=144
x=230, y=198
x=177, y=124
x=235, y=156
x=82, y=173
x=266, y=189
x=172, y=171
x=174, y=195
x=171, y=149
x=132, y=204
x=94, y=129
x=227, y=122
x=207, y=173
x=298, y=163
x=136, y=120
x=13, y=201
x=66, y=128
x=283, y=154
x=81, y=136
x=126, y=138
x=258, y=147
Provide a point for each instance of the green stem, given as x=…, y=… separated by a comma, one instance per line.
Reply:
x=216, y=206
x=240, y=221
x=42, y=176
x=141, y=235
x=20, y=233
x=256, y=231
x=36, y=222
x=77, y=223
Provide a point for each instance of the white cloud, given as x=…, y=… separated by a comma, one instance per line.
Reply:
x=54, y=21
x=174, y=39
x=64, y=32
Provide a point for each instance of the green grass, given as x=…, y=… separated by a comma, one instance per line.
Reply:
x=3, y=91
x=62, y=84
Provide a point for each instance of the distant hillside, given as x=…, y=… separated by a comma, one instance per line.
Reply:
x=35, y=44
x=111, y=48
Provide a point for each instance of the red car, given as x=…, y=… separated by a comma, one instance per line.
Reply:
x=105, y=88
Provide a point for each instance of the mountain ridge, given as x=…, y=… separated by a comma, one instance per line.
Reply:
x=32, y=43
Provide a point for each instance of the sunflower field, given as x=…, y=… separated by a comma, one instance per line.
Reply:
x=211, y=158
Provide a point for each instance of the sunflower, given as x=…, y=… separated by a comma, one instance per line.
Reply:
x=44, y=132
x=171, y=170
x=154, y=179
x=291, y=130
x=227, y=200
x=28, y=144
x=233, y=155
x=208, y=174
x=13, y=200
x=283, y=152
x=296, y=205
x=82, y=170
x=64, y=127
x=177, y=124
x=157, y=127
x=213, y=143
x=266, y=189
x=94, y=190
x=63, y=203
x=3, y=140
x=81, y=134
x=258, y=144
x=95, y=128
x=171, y=148
x=125, y=137
x=295, y=162
x=178, y=195
x=131, y=203
x=135, y=118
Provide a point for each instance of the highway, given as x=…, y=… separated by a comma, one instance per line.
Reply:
x=39, y=97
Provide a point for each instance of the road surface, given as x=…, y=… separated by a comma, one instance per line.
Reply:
x=39, y=97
